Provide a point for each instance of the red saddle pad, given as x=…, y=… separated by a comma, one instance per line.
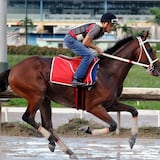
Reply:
x=63, y=69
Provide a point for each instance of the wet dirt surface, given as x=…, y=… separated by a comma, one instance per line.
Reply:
x=86, y=148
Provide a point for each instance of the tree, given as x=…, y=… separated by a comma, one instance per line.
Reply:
x=126, y=30
x=156, y=12
x=25, y=23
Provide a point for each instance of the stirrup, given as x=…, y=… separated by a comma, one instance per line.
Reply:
x=77, y=83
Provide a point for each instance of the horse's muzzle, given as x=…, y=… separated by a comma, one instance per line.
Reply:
x=156, y=70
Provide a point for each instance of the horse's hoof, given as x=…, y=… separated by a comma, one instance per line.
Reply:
x=73, y=156
x=132, y=141
x=85, y=129
x=51, y=146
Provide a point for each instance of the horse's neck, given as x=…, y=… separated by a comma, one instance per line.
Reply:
x=117, y=69
x=121, y=72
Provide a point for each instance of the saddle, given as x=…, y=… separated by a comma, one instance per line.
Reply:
x=63, y=69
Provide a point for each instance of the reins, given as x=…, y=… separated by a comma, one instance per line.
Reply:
x=125, y=60
x=150, y=67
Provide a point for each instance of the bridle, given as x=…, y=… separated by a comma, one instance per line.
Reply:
x=150, y=67
x=142, y=47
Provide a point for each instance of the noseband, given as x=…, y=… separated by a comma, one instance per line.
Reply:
x=150, y=67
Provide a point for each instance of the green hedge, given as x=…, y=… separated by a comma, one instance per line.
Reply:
x=36, y=50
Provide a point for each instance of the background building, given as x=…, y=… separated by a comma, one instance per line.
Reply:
x=56, y=16
x=91, y=7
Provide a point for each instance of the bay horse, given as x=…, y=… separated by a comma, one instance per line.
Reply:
x=30, y=79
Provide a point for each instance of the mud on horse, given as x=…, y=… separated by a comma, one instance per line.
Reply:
x=30, y=79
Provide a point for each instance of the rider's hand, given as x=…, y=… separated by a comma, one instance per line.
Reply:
x=99, y=51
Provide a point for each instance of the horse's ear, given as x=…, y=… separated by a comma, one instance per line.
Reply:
x=145, y=34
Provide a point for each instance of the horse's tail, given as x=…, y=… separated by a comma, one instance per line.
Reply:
x=4, y=80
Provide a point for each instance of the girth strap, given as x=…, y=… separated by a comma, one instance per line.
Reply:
x=80, y=98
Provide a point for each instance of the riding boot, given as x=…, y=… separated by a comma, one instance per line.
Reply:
x=77, y=82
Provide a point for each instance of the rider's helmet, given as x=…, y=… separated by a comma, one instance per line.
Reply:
x=109, y=17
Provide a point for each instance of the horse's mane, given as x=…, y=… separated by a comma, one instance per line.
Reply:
x=118, y=44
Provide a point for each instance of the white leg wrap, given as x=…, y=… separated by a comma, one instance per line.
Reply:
x=63, y=146
x=97, y=132
x=44, y=132
x=134, y=130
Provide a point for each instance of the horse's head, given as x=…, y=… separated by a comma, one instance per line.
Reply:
x=146, y=55
x=136, y=51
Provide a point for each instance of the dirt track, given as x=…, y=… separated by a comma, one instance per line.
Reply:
x=71, y=129
x=89, y=148
x=107, y=147
x=85, y=147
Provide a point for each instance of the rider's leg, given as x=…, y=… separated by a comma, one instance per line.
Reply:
x=86, y=54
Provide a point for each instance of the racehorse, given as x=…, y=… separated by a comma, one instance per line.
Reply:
x=30, y=79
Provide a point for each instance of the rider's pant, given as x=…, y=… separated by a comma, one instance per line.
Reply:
x=87, y=56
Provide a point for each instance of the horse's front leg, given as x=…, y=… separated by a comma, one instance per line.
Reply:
x=46, y=113
x=123, y=107
x=100, y=112
x=48, y=131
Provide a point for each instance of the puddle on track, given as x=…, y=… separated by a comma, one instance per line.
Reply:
x=88, y=148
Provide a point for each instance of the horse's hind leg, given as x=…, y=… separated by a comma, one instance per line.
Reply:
x=29, y=114
x=34, y=103
x=46, y=115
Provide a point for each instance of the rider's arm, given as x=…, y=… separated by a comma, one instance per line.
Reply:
x=89, y=43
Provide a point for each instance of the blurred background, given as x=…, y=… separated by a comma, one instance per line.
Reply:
x=45, y=22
